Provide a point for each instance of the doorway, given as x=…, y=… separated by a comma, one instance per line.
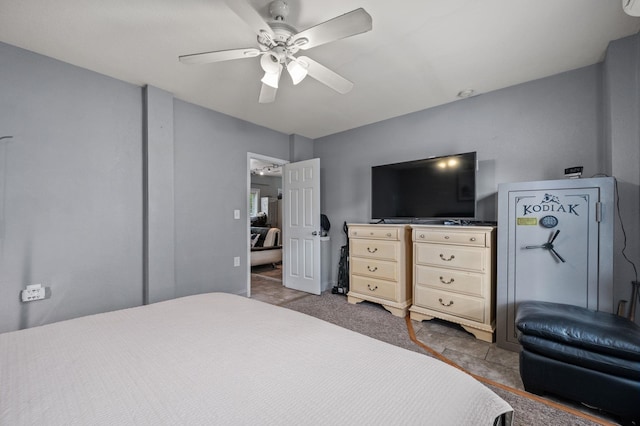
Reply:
x=265, y=210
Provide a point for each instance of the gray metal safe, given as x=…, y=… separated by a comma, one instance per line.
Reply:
x=555, y=244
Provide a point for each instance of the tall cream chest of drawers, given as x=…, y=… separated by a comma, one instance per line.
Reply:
x=454, y=276
x=380, y=266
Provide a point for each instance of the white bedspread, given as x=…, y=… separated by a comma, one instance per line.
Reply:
x=218, y=359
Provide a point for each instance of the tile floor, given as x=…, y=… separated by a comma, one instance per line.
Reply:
x=478, y=357
x=266, y=286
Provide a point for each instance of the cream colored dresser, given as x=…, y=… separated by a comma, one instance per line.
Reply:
x=380, y=266
x=454, y=276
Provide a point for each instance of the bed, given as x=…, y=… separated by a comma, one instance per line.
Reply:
x=223, y=359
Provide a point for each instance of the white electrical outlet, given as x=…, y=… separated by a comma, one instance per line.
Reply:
x=33, y=292
x=236, y=261
x=236, y=214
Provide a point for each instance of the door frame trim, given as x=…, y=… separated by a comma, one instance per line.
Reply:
x=265, y=158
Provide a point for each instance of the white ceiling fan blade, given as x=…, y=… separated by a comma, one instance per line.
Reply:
x=355, y=22
x=267, y=94
x=219, y=56
x=326, y=76
x=250, y=16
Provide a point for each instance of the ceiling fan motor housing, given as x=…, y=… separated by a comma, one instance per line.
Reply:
x=279, y=10
x=277, y=46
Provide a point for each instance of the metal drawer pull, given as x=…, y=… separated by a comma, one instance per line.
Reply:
x=389, y=234
x=446, y=282
x=447, y=260
x=446, y=237
x=374, y=288
x=375, y=249
x=472, y=239
x=446, y=304
x=421, y=235
x=375, y=268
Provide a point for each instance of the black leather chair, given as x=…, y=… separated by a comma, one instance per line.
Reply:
x=582, y=355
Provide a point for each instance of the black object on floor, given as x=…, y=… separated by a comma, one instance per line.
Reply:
x=583, y=355
x=343, y=266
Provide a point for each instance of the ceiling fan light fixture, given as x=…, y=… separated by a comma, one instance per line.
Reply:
x=297, y=71
x=272, y=78
x=270, y=63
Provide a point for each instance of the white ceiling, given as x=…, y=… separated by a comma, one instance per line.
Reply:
x=420, y=53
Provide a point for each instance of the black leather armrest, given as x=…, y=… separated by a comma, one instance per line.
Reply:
x=600, y=332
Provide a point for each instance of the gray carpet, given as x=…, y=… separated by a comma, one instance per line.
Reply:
x=367, y=318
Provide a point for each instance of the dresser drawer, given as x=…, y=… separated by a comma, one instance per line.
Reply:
x=374, y=268
x=450, y=280
x=450, y=303
x=373, y=287
x=456, y=257
x=387, y=250
x=444, y=237
x=377, y=232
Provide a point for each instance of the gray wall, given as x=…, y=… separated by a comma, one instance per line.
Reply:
x=211, y=181
x=300, y=148
x=158, y=179
x=87, y=190
x=532, y=131
x=527, y=132
x=71, y=190
x=74, y=178
x=621, y=148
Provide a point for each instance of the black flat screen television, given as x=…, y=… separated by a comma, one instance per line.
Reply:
x=433, y=188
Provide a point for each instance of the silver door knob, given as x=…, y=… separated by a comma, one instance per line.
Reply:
x=314, y=233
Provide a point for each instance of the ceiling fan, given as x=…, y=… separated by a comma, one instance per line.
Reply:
x=278, y=42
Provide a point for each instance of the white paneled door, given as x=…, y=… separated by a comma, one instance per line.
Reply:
x=301, y=231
